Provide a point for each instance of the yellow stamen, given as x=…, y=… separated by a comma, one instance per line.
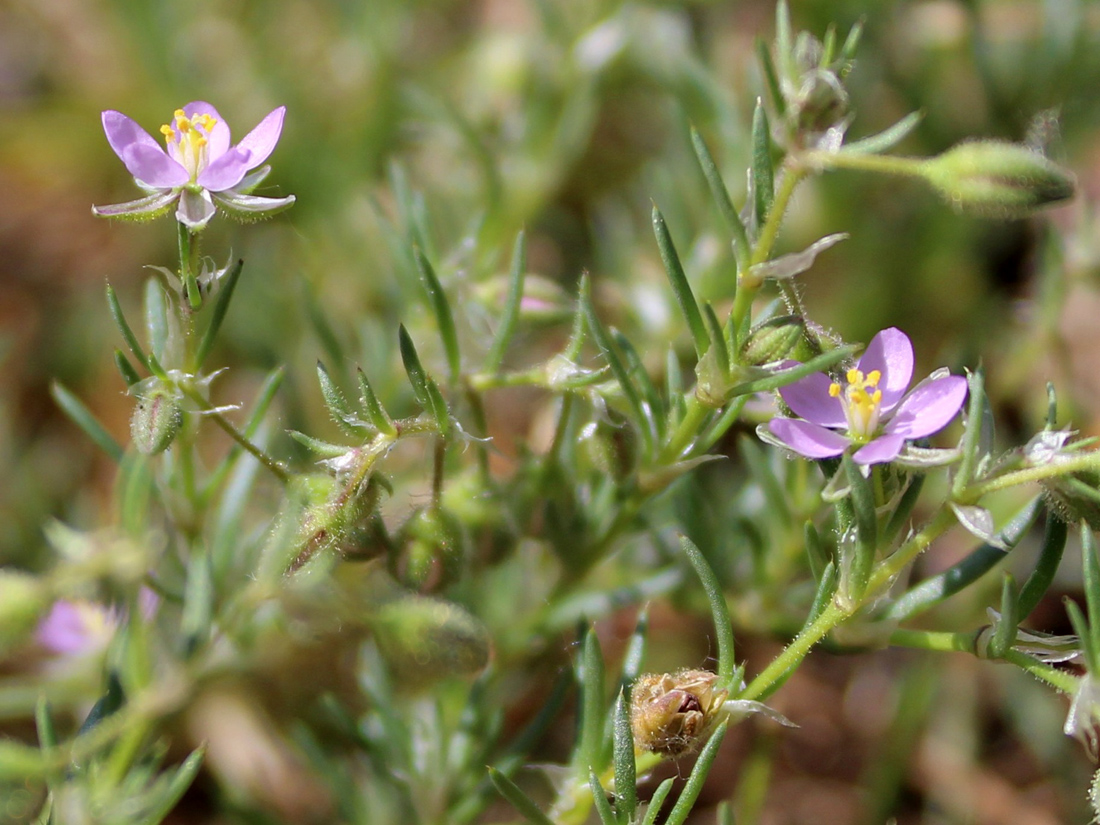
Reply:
x=834, y=390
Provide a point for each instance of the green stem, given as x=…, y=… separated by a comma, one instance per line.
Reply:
x=888, y=164
x=834, y=615
x=686, y=431
x=189, y=250
x=1062, y=467
x=274, y=466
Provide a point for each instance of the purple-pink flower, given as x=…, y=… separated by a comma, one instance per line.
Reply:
x=197, y=168
x=870, y=409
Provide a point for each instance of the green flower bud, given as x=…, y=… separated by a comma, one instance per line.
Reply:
x=612, y=447
x=775, y=340
x=425, y=639
x=432, y=550
x=998, y=179
x=156, y=421
x=23, y=600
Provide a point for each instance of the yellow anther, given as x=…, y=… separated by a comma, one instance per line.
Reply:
x=873, y=377
x=876, y=399
x=834, y=390
x=854, y=376
x=167, y=131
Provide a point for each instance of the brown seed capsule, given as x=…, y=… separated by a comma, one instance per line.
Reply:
x=671, y=713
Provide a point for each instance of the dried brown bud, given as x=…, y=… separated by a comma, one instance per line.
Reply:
x=671, y=713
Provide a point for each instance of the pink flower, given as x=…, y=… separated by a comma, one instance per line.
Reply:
x=871, y=409
x=197, y=169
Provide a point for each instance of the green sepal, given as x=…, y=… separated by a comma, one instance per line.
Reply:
x=1004, y=632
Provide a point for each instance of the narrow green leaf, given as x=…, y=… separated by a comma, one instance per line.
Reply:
x=680, y=286
x=510, y=314
x=156, y=318
x=83, y=418
x=724, y=814
x=657, y=800
x=1090, y=570
x=418, y=379
x=128, y=335
x=376, y=413
x=782, y=378
x=828, y=45
x=441, y=307
x=851, y=42
x=935, y=589
x=1050, y=556
x=1004, y=635
x=826, y=587
x=900, y=517
x=971, y=444
x=816, y=554
x=600, y=801
x=721, y=197
x=697, y=778
x=592, y=704
x=763, y=170
x=521, y=801
x=221, y=307
x=438, y=408
x=863, y=509
x=783, y=40
x=607, y=348
x=19, y=762
x=198, y=602
x=635, y=650
x=126, y=369
x=887, y=138
x=338, y=409
x=43, y=720
x=654, y=407
x=1083, y=632
x=771, y=77
x=107, y=704
x=181, y=780
x=717, y=338
x=626, y=779
x=719, y=611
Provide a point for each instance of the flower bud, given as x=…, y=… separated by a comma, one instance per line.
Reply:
x=425, y=639
x=432, y=550
x=156, y=421
x=998, y=179
x=671, y=713
x=776, y=339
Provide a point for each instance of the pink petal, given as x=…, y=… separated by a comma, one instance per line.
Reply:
x=808, y=439
x=929, y=407
x=218, y=139
x=226, y=171
x=883, y=449
x=260, y=142
x=63, y=629
x=195, y=209
x=809, y=398
x=890, y=352
x=144, y=158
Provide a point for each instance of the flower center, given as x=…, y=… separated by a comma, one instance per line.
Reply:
x=861, y=399
x=188, y=137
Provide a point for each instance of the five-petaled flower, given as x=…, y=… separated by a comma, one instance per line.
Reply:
x=199, y=168
x=870, y=409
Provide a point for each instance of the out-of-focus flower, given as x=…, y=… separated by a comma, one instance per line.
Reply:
x=198, y=169
x=78, y=627
x=1084, y=714
x=871, y=409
